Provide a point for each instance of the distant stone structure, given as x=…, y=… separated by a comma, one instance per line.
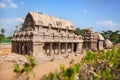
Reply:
x=93, y=41
x=46, y=35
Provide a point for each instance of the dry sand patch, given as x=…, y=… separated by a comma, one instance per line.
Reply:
x=6, y=67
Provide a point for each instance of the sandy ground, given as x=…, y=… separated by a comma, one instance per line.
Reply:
x=48, y=67
x=5, y=49
x=6, y=67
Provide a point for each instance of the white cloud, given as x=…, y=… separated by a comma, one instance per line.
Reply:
x=11, y=20
x=2, y=5
x=13, y=5
x=9, y=24
x=85, y=10
x=8, y=3
x=107, y=23
x=103, y=25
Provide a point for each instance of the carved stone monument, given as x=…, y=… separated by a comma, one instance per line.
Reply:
x=46, y=35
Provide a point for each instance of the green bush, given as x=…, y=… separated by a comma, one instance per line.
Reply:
x=23, y=73
x=101, y=65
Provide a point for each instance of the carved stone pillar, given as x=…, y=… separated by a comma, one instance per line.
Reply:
x=19, y=48
x=66, y=49
x=79, y=47
x=16, y=47
x=13, y=47
x=51, y=49
x=59, y=45
x=37, y=50
x=72, y=47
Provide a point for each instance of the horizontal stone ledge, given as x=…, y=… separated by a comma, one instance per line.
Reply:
x=59, y=41
x=48, y=40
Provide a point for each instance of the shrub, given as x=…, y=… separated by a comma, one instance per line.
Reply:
x=101, y=65
x=27, y=68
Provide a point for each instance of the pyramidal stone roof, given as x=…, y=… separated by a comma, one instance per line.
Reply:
x=45, y=20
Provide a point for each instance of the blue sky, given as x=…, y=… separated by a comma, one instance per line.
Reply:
x=98, y=14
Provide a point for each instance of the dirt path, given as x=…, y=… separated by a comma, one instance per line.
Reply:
x=48, y=67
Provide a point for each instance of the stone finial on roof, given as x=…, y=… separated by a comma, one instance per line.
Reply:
x=89, y=30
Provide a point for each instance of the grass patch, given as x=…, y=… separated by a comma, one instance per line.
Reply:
x=5, y=40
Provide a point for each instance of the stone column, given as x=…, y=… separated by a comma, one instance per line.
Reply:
x=72, y=47
x=19, y=48
x=79, y=47
x=66, y=49
x=92, y=46
x=37, y=49
x=59, y=45
x=51, y=49
x=13, y=47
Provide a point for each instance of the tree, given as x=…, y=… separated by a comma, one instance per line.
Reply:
x=2, y=31
x=79, y=31
x=113, y=36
